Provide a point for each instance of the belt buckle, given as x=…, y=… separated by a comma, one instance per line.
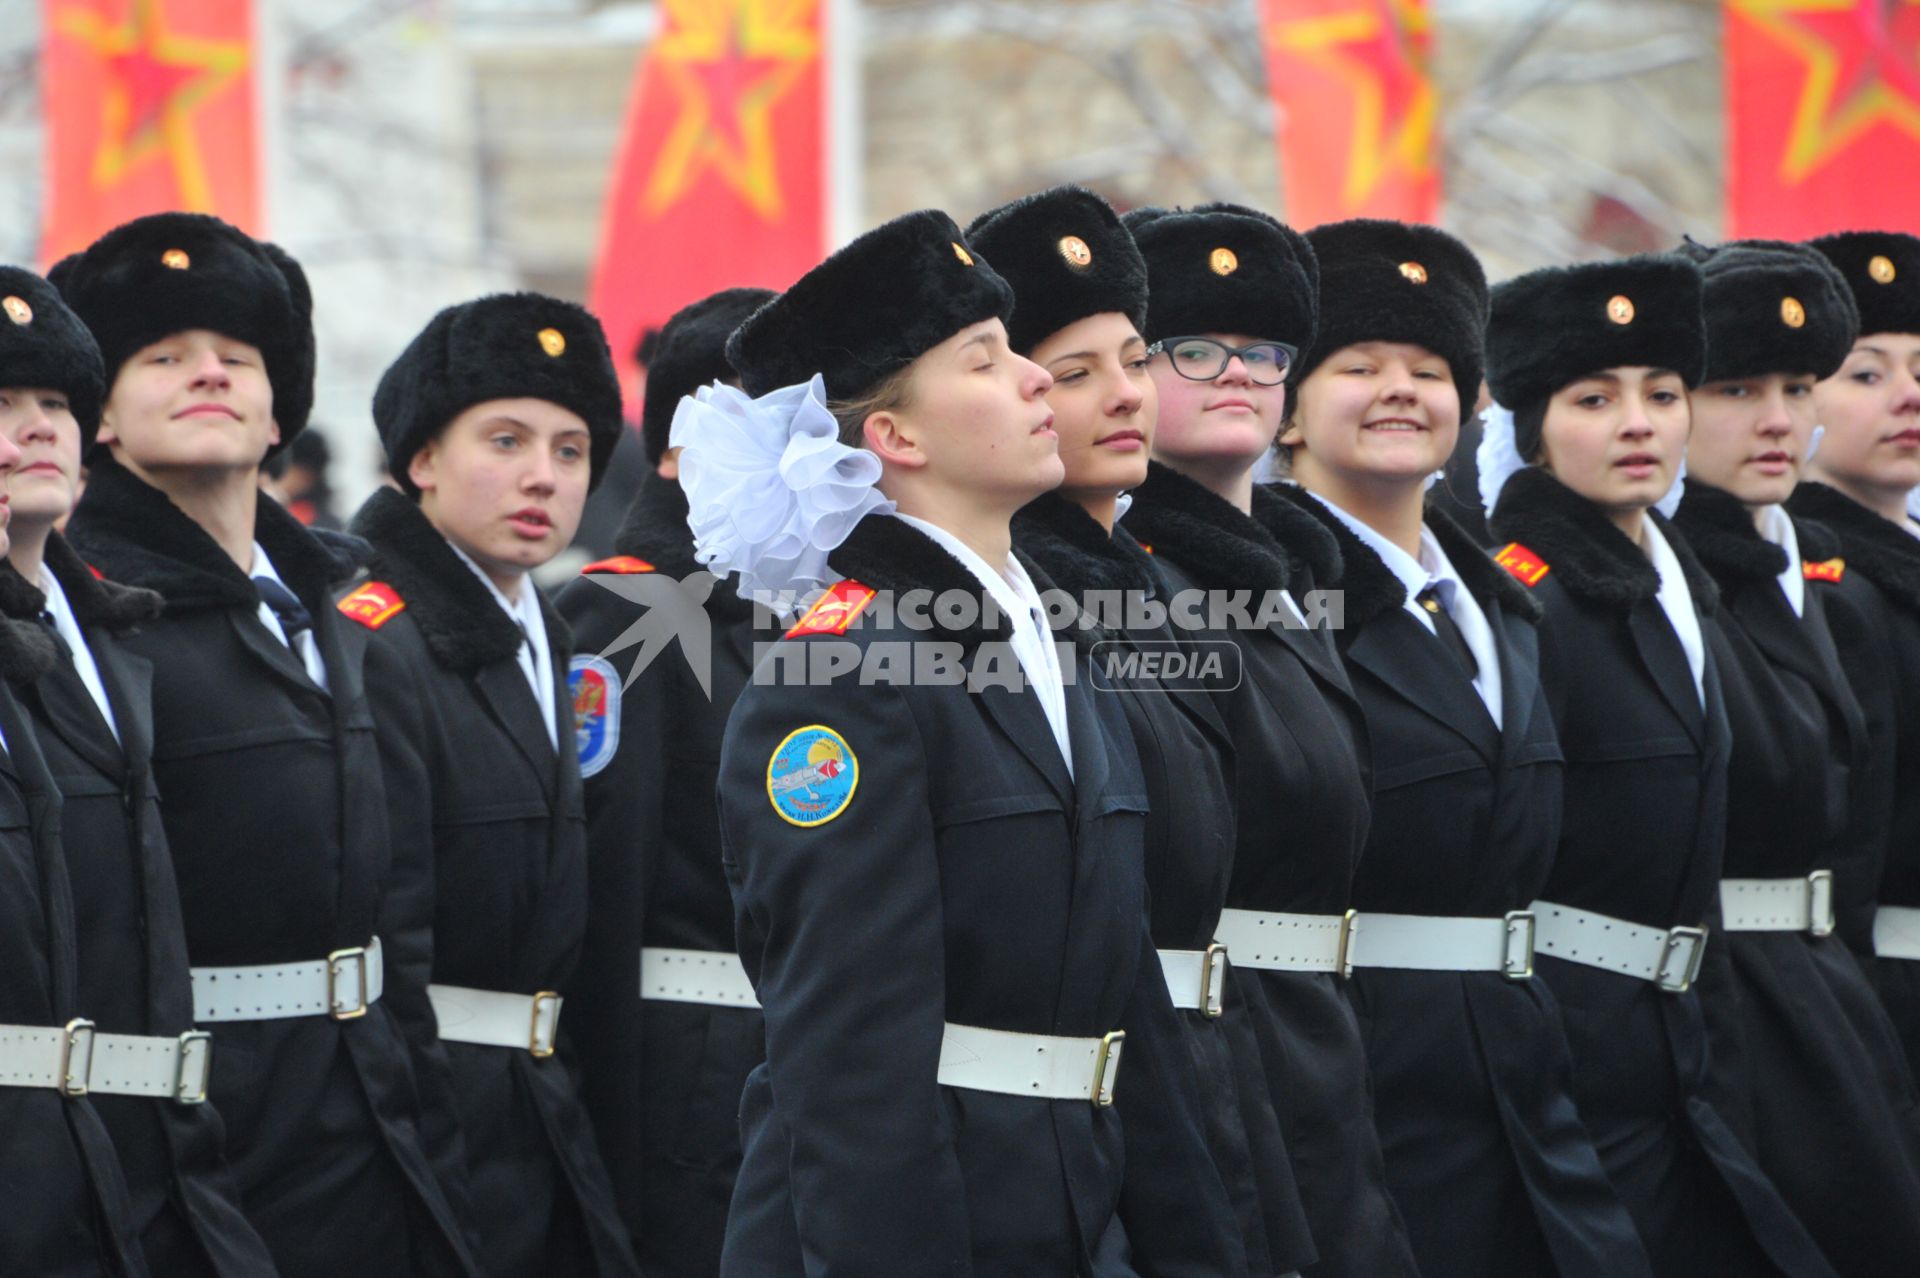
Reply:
x=1343, y=955
x=1517, y=963
x=182, y=1094
x=76, y=1031
x=1106, y=1067
x=1213, y=980
x=533, y=1030
x=1820, y=903
x=338, y=1010
x=1695, y=939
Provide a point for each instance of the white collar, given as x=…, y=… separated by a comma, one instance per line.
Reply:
x=1777, y=527
x=1012, y=590
x=515, y=610
x=1415, y=573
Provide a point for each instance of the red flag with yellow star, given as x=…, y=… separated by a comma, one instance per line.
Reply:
x=722, y=172
x=1823, y=116
x=149, y=107
x=1355, y=108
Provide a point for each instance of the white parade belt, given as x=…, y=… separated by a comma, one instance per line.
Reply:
x=1778, y=905
x=76, y=1060
x=1896, y=932
x=530, y=1022
x=1669, y=957
x=1038, y=1065
x=1286, y=942
x=1196, y=978
x=714, y=977
x=342, y=985
x=1433, y=943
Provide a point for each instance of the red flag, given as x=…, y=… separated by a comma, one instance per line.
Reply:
x=149, y=107
x=1823, y=115
x=1355, y=108
x=721, y=177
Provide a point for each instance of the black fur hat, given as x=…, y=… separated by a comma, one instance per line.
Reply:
x=506, y=346
x=870, y=309
x=43, y=344
x=169, y=272
x=1226, y=268
x=1067, y=257
x=1556, y=325
x=1773, y=307
x=1383, y=281
x=1883, y=270
x=690, y=351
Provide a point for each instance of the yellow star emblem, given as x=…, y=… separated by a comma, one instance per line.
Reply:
x=729, y=63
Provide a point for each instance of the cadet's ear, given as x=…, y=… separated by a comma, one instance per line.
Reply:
x=894, y=440
x=421, y=470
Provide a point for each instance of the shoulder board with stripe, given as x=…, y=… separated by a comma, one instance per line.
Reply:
x=618, y=563
x=373, y=605
x=834, y=611
x=1527, y=568
x=1823, y=570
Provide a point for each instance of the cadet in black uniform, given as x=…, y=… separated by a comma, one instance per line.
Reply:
x=67, y=1210
x=1596, y=361
x=1233, y=297
x=263, y=746
x=936, y=852
x=1861, y=487
x=663, y=1060
x=92, y=714
x=1800, y=1032
x=1080, y=293
x=496, y=420
x=1484, y=1152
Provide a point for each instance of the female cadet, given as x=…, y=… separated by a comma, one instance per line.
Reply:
x=1595, y=362
x=92, y=714
x=662, y=1060
x=1484, y=1152
x=1080, y=291
x=263, y=747
x=496, y=420
x=933, y=840
x=67, y=1208
x=1860, y=485
x=1232, y=295
x=1800, y=1032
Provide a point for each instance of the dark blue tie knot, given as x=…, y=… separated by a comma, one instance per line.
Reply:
x=293, y=615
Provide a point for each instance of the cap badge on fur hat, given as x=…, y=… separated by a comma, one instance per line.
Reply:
x=1881, y=268
x=1075, y=252
x=1223, y=261
x=553, y=342
x=176, y=259
x=1792, y=314
x=1620, y=308
x=17, y=310
x=1413, y=272
x=966, y=258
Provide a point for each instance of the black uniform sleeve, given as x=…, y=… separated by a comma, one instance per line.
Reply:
x=840, y=928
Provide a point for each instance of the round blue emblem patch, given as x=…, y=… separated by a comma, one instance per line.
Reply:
x=596, y=711
x=812, y=776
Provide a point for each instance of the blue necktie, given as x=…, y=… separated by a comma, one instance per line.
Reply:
x=293, y=615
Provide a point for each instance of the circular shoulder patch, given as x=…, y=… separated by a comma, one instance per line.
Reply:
x=596, y=711
x=812, y=776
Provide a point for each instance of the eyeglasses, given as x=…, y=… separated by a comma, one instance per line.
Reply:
x=1201, y=359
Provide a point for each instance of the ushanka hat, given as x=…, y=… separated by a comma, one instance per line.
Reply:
x=1226, y=268
x=870, y=309
x=690, y=351
x=507, y=346
x=43, y=344
x=1067, y=257
x=1403, y=282
x=1773, y=307
x=1882, y=268
x=171, y=272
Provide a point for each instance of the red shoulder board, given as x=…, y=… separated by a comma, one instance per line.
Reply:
x=97, y=574
x=1825, y=570
x=1144, y=546
x=619, y=563
x=1527, y=568
x=373, y=605
x=834, y=611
